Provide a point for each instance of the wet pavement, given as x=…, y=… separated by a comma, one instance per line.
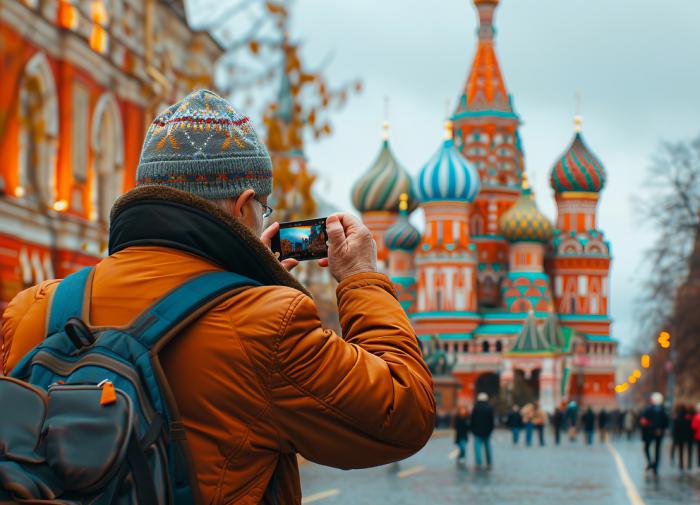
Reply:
x=571, y=473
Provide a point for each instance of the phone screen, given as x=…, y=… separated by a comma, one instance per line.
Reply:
x=301, y=240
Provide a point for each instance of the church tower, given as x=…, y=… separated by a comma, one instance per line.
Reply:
x=446, y=260
x=401, y=241
x=377, y=195
x=526, y=287
x=486, y=133
x=580, y=256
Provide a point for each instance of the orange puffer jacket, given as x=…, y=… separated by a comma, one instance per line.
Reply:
x=257, y=379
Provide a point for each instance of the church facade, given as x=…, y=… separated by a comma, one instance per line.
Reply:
x=521, y=304
x=82, y=79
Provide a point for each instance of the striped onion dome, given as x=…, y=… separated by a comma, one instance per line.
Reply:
x=578, y=169
x=523, y=222
x=448, y=175
x=402, y=236
x=381, y=186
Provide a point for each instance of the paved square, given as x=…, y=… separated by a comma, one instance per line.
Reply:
x=571, y=473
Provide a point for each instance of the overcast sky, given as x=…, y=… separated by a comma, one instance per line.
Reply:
x=636, y=64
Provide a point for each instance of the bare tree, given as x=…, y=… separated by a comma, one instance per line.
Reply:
x=670, y=294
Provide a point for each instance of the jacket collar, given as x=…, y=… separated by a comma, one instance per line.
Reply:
x=166, y=217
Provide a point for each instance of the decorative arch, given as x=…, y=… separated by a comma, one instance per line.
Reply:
x=38, y=117
x=107, y=143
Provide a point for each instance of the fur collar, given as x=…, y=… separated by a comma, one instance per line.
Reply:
x=162, y=216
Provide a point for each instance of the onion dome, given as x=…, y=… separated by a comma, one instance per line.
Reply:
x=380, y=187
x=524, y=222
x=448, y=175
x=578, y=169
x=402, y=235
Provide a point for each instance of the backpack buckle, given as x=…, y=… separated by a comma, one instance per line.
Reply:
x=79, y=333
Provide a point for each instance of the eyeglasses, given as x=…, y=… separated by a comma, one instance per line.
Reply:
x=267, y=210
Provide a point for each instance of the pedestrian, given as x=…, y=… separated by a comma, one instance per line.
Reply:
x=515, y=423
x=654, y=422
x=539, y=419
x=462, y=426
x=482, y=423
x=630, y=423
x=603, y=420
x=527, y=413
x=557, y=423
x=572, y=419
x=255, y=376
x=682, y=437
x=588, y=421
x=616, y=420
x=695, y=426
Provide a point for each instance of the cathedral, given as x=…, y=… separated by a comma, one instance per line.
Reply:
x=518, y=304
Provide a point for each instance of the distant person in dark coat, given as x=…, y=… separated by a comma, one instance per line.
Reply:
x=461, y=426
x=557, y=424
x=682, y=436
x=482, y=423
x=603, y=420
x=515, y=423
x=588, y=420
x=654, y=422
x=572, y=419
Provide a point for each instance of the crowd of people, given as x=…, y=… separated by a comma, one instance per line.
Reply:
x=652, y=423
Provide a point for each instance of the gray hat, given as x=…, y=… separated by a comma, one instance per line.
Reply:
x=203, y=146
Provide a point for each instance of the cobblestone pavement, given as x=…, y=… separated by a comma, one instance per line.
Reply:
x=568, y=474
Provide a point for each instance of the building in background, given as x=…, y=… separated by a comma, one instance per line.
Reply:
x=81, y=82
x=521, y=304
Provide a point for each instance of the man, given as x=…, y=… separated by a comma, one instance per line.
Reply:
x=257, y=379
x=515, y=423
x=461, y=426
x=539, y=419
x=588, y=421
x=603, y=420
x=572, y=419
x=528, y=413
x=482, y=426
x=654, y=421
x=557, y=423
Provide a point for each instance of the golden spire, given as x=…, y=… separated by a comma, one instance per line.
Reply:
x=403, y=202
x=448, y=130
x=525, y=184
x=385, y=130
x=577, y=118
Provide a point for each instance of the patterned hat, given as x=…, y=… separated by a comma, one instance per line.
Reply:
x=203, y=146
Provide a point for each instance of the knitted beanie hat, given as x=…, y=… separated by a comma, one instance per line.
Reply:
x=203, y=146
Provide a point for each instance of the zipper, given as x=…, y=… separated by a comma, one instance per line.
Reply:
x=65, y=368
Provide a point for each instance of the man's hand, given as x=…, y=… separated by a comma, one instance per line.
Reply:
x=351, y=248
x=266, y=238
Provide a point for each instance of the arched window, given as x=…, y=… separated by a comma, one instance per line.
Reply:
x=38, y=137
x=499, y=346
x=108, y=157
x=485, y=347
x=477, y=225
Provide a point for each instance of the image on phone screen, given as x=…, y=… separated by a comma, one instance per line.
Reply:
x=301, y=240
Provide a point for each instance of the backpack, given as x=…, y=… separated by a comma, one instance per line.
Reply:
x=88, y=416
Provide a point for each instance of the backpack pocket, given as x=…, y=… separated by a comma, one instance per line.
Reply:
x=66, y=442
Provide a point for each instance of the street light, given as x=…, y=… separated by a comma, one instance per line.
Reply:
x=636, y=374
x=646, y=361
x=664, y=339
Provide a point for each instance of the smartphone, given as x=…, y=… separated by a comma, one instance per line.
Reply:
x=301, y=240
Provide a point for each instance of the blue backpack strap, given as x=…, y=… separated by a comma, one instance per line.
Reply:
x=184, y=301
x=68, y=299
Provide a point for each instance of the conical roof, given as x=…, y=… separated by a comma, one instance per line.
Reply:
x=380, y=188
x=448, y=175
x=530, y=338
x=578, y=169
x=523, y=222
x=552, y=332
x=402, y=235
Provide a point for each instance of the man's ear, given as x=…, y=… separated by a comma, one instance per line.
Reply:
x=242, y=199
